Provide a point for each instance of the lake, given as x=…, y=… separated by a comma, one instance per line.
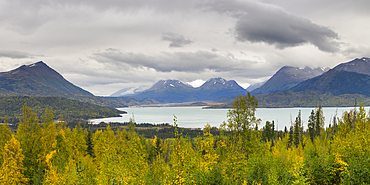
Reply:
x=196, y=117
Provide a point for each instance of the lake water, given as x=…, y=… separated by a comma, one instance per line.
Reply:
x=196, y=117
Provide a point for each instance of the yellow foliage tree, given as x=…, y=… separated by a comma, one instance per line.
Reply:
x=11, y=170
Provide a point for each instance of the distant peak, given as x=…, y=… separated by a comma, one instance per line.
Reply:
x=216, y=79
x=37, y=64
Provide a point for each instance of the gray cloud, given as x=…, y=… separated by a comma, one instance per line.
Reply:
x=69, y=31
x=198, y=61
x=15, y=54
x=285, y=31
x=255, y=22
x=259, y=22
x=176, y=40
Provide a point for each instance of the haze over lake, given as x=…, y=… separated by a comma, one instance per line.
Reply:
x=196, y=117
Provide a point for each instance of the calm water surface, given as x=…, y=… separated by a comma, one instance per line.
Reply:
x=196, y=117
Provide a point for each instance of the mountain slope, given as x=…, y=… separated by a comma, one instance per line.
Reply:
x=337, y=83
x=286, y=78
x=255, y=86
x=37, y=79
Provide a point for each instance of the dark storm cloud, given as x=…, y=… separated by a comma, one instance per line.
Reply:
x=198, y=61
x=15, y=54
x=176, y=40
x=258, y=22
x=284, y=30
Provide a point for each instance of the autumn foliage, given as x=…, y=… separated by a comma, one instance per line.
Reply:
x=47, y=152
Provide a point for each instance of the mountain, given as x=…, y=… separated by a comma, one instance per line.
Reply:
x=288, y=77
x=255, y=86
x=216, y=88
x=171, y=91
x=357, y=65
x=174, y=91
x=337, y=83
x=37, y=79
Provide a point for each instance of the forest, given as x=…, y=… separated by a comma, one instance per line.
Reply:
x=45, y=151
x=70, y=110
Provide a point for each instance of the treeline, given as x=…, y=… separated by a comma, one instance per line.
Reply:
x=308, y=98
x=149, y=130
x=11, y=108
x=48, y=152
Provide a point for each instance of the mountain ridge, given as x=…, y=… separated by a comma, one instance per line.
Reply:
x=358, y=65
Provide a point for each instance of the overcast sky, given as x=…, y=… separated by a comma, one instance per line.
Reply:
x=105, y=46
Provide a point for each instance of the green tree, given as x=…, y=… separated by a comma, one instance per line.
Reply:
x=297, y=129
x=291, y=135
x=89, y=143
x=241, y=117
x=268, y=131
x=311, y=125
x=319, y=121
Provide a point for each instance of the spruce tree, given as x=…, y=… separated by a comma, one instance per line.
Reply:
x=311, y=125
x=297, y=129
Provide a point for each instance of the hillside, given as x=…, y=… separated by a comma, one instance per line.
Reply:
x=62, y=108
x=337, y=83
x=288, y=77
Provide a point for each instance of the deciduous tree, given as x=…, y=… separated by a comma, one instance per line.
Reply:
x=12, y=167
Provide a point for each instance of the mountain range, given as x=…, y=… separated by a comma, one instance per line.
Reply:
x=175, y=91
x=347, y=78
x=340, y=86
x=350, y=78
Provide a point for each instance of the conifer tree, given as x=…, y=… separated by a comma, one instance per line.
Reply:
x=319, y=121
x=290, y=141
x=297, y=129
x=89, y=143
x=311, y=125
